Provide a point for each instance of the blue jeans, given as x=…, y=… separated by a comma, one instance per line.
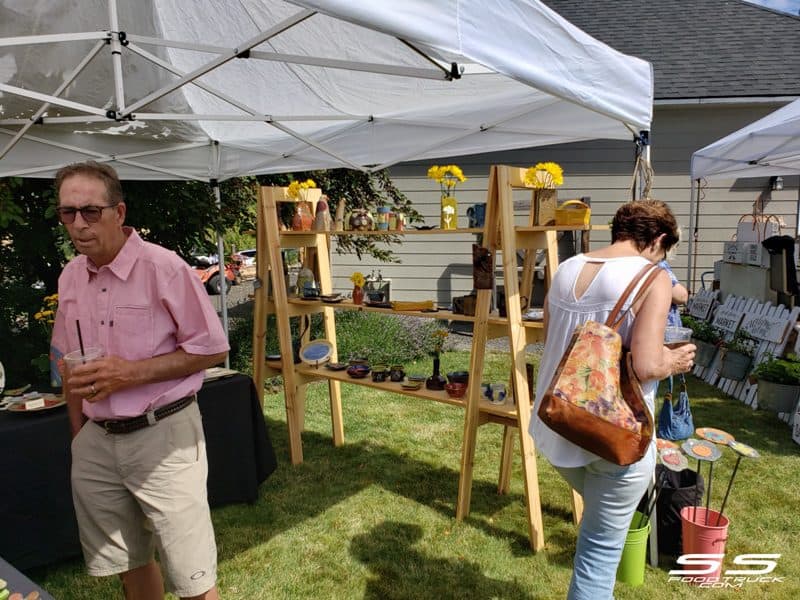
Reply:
x=610, y=495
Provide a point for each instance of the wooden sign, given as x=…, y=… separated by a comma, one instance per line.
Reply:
x=764, y=327
x=701, y=304
x=727, y=318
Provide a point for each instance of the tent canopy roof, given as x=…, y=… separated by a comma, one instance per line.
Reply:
x=165, y=89
x=769, y=146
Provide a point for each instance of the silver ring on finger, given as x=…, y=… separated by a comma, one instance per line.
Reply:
x=94, y=391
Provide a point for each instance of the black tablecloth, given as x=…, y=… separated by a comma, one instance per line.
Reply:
x=37, y=520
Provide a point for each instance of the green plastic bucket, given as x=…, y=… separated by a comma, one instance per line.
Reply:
x=631, y=565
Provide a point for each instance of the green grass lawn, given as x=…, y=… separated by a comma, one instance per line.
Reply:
x=376, y=517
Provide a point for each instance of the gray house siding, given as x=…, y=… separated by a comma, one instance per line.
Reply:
x=438, y=266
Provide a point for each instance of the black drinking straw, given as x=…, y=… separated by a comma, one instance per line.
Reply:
x=80, y=337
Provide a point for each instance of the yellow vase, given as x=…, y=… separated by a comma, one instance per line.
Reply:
x=449, y=213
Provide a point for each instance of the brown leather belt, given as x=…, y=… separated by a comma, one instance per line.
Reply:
x=149, y=418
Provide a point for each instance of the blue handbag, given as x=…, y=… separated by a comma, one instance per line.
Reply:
x=675, y=420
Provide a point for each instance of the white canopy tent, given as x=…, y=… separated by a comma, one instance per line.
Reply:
x=212, y=89
x=767, y=147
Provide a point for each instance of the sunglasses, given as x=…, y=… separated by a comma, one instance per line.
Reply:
x=90, y=213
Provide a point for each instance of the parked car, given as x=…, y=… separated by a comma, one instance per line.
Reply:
x=248, y=256
x=247, y=260
x=207, y=268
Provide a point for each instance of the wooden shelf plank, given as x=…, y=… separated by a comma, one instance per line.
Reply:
x=507, y=410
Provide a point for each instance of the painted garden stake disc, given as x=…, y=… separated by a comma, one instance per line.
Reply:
x=673, y=459
x=701, y=450
x=743, y=449
x=714, y=435
x=661, y=444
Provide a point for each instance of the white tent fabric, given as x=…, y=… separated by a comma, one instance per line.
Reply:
x=767, y=147
x=212, y=89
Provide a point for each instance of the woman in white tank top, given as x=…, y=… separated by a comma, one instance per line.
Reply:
x=586, y=287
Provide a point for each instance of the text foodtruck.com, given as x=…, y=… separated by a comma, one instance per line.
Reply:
x=701, y=567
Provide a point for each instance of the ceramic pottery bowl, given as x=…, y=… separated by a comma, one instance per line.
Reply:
x=455, y=390
x=358, y=371
x=458, y=377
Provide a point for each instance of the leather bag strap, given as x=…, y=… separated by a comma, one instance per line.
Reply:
x=615, y=318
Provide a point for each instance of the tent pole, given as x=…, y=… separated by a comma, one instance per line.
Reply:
x=691, y=259
x=223, y=293
x=116, y=56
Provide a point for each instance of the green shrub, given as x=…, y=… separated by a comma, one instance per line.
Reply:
x=381, y=338
x=779, y=370
x=702, y=330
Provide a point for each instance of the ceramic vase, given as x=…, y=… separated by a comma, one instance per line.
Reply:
x=302, y=219
x=435, y=381
x=449, y=213
x=358, y=294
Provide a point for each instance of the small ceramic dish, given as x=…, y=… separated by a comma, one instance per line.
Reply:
x=411, y=385
x=358, y=371
x=336, y=366
x=331, y=298
x=417, y=378
x=455, y=390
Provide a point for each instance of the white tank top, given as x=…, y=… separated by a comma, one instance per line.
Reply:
x=565, y=312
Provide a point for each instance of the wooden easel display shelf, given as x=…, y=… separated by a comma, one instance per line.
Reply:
x=502, y=236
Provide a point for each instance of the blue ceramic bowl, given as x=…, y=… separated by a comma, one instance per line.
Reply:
x=358, y=371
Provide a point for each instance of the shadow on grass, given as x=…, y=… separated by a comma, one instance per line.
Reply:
x=399, y=569
x=330, y=475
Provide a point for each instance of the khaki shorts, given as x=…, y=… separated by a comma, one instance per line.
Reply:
x=139, y=491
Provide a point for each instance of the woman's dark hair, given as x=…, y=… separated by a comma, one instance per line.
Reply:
x=642, y=221
x=97, y=170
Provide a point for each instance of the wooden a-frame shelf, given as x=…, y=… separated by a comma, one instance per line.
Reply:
x=500, y=235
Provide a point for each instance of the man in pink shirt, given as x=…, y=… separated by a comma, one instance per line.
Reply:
x=139, y=467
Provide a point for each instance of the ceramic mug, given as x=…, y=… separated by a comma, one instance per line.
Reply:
x=476, y=215
x=396, y=373
x=379, y=373
x=498, y=393
x=383, y=216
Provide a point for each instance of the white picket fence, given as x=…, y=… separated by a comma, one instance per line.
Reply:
x=770, y=325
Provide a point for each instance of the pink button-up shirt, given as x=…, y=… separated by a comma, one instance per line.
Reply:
x=145, y=303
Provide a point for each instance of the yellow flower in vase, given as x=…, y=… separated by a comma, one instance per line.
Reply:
x=448, y=176
x=46, y=317
x=546, y=175
x=358, y=279
x=544, y=178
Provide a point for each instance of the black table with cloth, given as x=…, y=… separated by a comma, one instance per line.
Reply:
x=37, y=525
